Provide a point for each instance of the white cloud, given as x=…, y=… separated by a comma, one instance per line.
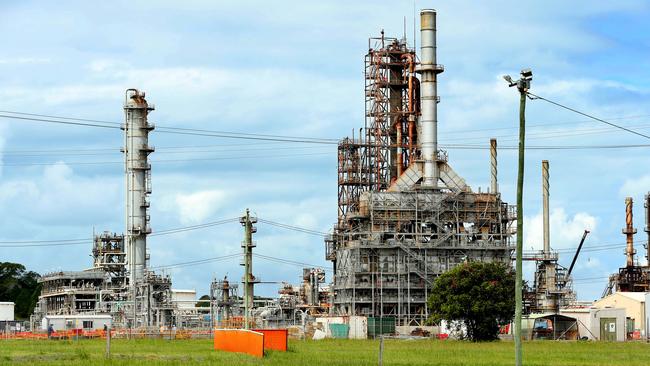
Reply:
x=198, y=206
x=565, y=231
x=60, y=197
x=635, y=187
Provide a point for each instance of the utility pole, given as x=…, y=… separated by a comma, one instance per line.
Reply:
x=249, y=280
x=108, y=342
x=523, y=84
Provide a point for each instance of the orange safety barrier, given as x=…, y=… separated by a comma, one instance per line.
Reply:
x=239, y=340
x=275, y=339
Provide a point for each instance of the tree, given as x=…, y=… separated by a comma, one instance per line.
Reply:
x=19, y=286
x=479, y=295
x=204, y=301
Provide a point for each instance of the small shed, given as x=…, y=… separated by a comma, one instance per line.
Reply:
x=555, y=326
x=609, y=324
x=635, y=310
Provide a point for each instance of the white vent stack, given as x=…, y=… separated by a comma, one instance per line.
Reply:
x=138, y=182
x=428, y=123
x=545, y=209
x=647, y=225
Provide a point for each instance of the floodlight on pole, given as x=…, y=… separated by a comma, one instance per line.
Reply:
x=523, y=84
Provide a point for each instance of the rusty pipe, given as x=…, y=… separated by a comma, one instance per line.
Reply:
x=400, y=160
x=493, y=166
x=629, y=232
x=411, y=105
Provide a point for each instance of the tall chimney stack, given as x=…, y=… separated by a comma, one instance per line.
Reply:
x=545, y=209
x=629, y=232
x=494, y=188
x=428, y=124
x=647, y=225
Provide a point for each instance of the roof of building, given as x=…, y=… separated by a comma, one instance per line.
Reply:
x=638, y=296
x=183, y=291
x=92, y=274
x=7, y=303
x=79, y=316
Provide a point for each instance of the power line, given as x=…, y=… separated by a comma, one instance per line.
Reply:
x=60, y=117
x=60, y=122
x=64, y=242
x=292, y=227
x=168, y=160
x=290, y=262
x=197, y=262
x=588, y=115
x=174, y=130
x=220, y=135
x=52, y=244
x=194, y=227
x=449, y=147
x=300, y=139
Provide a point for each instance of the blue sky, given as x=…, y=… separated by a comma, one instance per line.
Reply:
x=296, y=69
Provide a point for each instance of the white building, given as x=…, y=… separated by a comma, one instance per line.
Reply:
x=184, y=299
x=635, y=310
x=7, y=311
x=77, y=321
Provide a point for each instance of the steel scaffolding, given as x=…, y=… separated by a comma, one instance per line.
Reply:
x=394, y=236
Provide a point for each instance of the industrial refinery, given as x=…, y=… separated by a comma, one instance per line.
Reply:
x=414, y=196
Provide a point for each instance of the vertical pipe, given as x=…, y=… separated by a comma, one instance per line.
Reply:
x=428, y=125
x=493, y=166
x=545, y=209
x=629, y=232
x=411, y=106
x=400, y=159
x=247, y=270
x=647, y=225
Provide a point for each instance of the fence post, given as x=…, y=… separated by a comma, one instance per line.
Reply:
x=108, y=342
x=381, y=350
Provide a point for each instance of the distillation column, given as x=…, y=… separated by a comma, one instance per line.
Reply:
x=494, y=188
x=249, y=280
x=428, y=124
x=138, y=182
x=629, y=232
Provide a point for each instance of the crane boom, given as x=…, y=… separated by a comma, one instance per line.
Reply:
x=575, y=257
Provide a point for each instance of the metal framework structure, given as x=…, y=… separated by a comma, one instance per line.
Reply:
x=120, y=282
x=552, y=284
x=632, y=277
x=395, y=233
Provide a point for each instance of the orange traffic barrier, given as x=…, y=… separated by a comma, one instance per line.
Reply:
x=239, y=340
x=275, y=339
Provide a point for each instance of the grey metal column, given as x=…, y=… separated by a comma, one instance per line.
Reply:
x=428, y=124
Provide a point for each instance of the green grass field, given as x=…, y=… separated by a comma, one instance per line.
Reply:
x=327, y=352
